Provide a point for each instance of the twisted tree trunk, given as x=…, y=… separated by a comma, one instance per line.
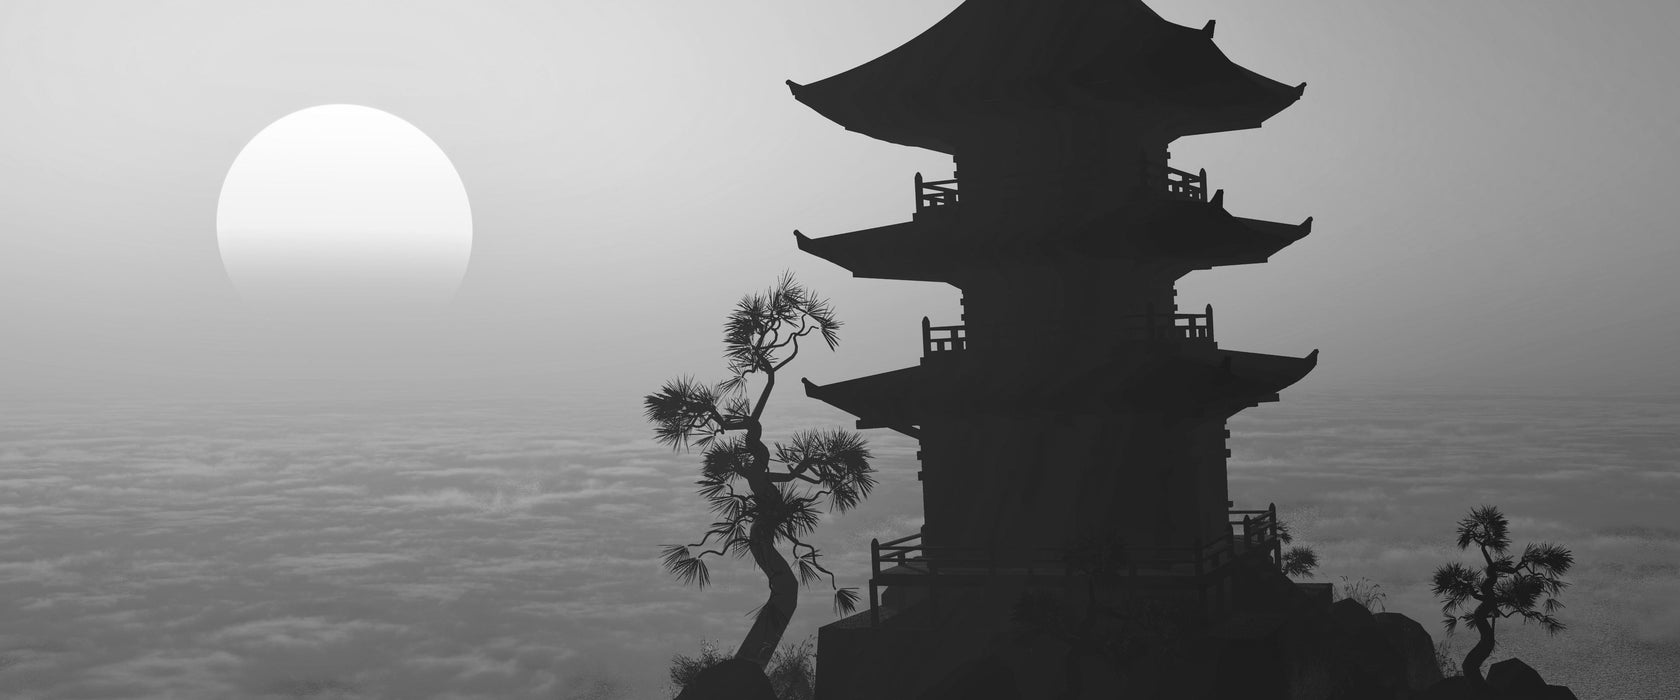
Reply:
x=1478, y=654
x=772, y=621
x=766, y=632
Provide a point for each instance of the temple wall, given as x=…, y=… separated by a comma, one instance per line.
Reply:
x=1048, y=167
x=1043, y=480
x=1050, y=311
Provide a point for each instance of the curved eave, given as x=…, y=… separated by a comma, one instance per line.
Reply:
x=878, y=400
x=912, y=251
x=1006, y=55
x=1193, y=83
x=1246, y=374
x=871, y=117
x=1231, y=240
x=1219, y=376
x=1203, y=234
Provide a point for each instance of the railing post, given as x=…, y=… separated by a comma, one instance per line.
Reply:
x=918, y=193
x=1202, y=193
x=927, y=337
x=1210, y=321
x=1277, y=544
x=874, y=573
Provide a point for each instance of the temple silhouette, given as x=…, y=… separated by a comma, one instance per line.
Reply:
x=1074, y=400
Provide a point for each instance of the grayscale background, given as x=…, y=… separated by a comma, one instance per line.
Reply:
x=200, y=499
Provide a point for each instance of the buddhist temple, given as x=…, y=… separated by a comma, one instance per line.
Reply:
x=1074, y=398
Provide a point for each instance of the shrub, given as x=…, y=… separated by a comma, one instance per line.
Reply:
x=1364, y=592
x=792, y=671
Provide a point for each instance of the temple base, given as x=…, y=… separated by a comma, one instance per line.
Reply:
x=1168, y=648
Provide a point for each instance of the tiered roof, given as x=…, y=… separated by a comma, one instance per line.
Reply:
x=996, y=57
x=903, y=398
x=1196, y=235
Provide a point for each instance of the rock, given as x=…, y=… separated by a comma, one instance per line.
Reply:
x=1409, y=637
x=988, y=678
x=735, y=679
x=1513, y=677
x=1454, y=688
x=1373, y=665
x=1351, y=616
x=1319, y=596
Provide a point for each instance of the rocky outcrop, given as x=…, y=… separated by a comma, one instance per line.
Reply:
x=1513, y=676
x=988, y=678
x=1510, y=679
x=1412, y=641
x=735, y=679
x=1515, y=679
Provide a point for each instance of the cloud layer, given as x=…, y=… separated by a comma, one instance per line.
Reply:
x=357, y=551
x=1377, y=484
x=479, y=550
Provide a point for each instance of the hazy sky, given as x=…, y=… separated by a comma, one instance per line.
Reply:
x=1490, y=182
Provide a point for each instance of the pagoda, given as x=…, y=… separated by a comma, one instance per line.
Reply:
x=1074, y=398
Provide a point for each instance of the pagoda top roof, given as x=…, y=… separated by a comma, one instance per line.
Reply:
x=1006, y=56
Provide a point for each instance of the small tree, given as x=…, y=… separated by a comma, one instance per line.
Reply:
x=779, y=506
x=1299, y=562
x=1504, y=586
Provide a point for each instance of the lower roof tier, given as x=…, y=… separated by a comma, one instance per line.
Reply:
x=1192, y=235
x=1125, y=382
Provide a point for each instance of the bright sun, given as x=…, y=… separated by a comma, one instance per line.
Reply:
x=343, y=205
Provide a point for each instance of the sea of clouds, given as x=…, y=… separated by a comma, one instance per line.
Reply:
x=509, y=549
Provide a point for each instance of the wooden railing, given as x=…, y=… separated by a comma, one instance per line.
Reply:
x=1175, y=184
x=942, y=338
x=1258, y=529
x=937, y=193
x=1145, y=326
x=1175, y=326
x=1183, y=185
x=906, y=561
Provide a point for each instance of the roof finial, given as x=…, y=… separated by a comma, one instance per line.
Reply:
x=1208, y=29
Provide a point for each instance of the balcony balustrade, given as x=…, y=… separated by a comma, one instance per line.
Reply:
x=937, y=339
x=1174, y=326
x=934, y=194
x=1147, y=326
x=907, y=562
x=1183, y=185
x=1172, y=182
